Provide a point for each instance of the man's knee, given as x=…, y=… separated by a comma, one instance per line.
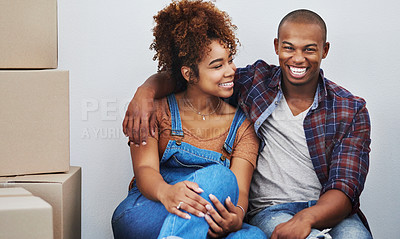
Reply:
x=267, y=220
x=350, y=228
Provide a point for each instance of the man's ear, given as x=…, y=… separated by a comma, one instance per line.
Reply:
x=326, y=50
x=276, y=45
x=186, y=72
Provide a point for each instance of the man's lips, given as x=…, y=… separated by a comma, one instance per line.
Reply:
x=298, y=72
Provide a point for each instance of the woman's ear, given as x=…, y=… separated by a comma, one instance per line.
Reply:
x=186, y=72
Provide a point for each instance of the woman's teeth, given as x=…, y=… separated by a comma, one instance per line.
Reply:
x=228, y=84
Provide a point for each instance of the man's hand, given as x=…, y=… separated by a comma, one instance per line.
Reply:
x=332, y=207
x=139, y=118
x=296, y=228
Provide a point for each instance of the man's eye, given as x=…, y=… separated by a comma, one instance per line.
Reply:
x=310, y=49
x=288, y=47
x=218, y=66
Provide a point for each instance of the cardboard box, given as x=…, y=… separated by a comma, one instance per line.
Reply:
x=34, y=121
x=62, y=191
x=28, y=38
x=24, y=216
x=11, y=192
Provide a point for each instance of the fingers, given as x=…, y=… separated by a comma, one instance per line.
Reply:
x=215, y=230
x=221, y=213
x=130, y=128
x=152, y=125
x=212, y=234
x=197, y=201
x=193, y=203
x=229, y=205
x=135, y=132
x=192, y=208
x=144, y=129
x=137, y=128
x=125, y=124
x=214, y=219
x=193, y=186
x=180, y=213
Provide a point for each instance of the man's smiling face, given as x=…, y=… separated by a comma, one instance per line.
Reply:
x=301, y=48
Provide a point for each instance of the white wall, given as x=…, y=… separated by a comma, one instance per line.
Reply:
x=105, y=44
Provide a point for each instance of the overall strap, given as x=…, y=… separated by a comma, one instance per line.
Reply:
x=175, y=116
x=236, y=123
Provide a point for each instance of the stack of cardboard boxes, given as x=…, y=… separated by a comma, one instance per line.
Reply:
x=35, y=172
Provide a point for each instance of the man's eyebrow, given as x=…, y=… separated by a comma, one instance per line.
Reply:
x=312, y=44
x=286, y=42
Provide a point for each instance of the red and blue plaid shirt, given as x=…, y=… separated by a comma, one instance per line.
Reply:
x=337, y=127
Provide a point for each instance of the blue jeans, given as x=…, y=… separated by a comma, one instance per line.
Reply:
x=270, y=217
x=139, y=217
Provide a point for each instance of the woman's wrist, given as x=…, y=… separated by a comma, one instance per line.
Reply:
x=242, y=210
x=161, y=191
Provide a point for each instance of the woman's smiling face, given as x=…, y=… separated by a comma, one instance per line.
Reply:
x=216, y=71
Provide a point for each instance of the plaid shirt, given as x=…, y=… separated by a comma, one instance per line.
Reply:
x=337, y=127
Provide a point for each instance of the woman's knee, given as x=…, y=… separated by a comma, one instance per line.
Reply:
x=217, y=180
x=138, y=217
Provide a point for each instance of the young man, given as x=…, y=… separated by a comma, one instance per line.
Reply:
x=315, y=135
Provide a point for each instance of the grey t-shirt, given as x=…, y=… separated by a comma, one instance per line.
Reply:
x=284, y=171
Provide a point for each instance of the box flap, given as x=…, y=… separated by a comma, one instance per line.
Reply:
x=23, y=202
x=40, y=178
x=12, y=192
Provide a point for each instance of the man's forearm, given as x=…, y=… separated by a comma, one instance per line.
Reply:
x=331, y=208
x=159, y=85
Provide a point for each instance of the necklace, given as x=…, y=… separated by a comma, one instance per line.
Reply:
x=203, y=116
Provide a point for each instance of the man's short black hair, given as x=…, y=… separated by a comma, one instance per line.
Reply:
x=304, y=16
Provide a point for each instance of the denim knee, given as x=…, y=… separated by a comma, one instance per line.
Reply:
x=350, y=228
x=138, y=217
x=219, y=181
x=247, y=231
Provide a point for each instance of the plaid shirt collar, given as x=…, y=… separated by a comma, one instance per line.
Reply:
x=322, y=91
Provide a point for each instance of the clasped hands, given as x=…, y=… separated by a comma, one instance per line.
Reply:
x=183, y=198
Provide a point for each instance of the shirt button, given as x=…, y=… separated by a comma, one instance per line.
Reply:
x=276, y=102
x=223, y=158
x=178, y=143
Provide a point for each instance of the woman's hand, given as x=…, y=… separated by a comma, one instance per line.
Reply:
x=185, y=195
x=225, y=220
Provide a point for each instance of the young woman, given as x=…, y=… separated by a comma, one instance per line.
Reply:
x=192, y=179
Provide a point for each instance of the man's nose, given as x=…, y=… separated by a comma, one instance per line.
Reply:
x=298, y=57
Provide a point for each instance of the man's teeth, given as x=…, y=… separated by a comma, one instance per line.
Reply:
x=297, y=71
x=226, y=84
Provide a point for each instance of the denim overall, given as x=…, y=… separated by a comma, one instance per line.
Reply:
x=139, y=217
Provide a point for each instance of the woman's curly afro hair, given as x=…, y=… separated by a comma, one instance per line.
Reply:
x=184, y=30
